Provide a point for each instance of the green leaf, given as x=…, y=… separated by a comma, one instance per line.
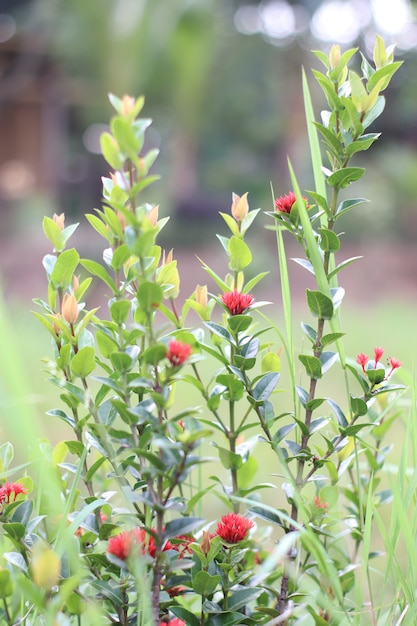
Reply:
x=100, y=227
x=64, y=269
x=312, y=365
x=358, y=406
x=239, y=323
x=265, y=386
x=340, y=416
x=309, y=332
x=327, y=359
x=186, y=616
x=383, y=76
x=16, y=559
x=204, y=584
x=6, y=585
x=344, y=264
x=320, y=305
x=181, y=526
x=343, y=177
x=329, y=241
x=110, y=151
x=330, y=338
x=150, y=296
x=106, y=344
x=15, y=530
x=123, y=132
x=83, y=363
x=120, y=256
x=53, y=233
x=231, y=222
x=240, y=255
x=362, y=143
x=220, y=332
x=98, y=270
x=119, y=310
x=243, y=597
x=229, y=460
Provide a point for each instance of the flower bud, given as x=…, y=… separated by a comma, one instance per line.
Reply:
x=128, y=105
x=334, y=56
x=46, y=567
x=59, y=220
x=205, y=542
x=240, y=206
x=75, y=283
x=201, y=295
x=69, y=308
x=153, y=215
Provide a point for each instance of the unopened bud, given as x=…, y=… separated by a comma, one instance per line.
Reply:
x=128, y=105
x=201, y=295
x=46, y=567
x=69, y=308
x=75, y=283
x=56, y=328
x=59, y=220
x=334, y=56
x=121, y=219
x=240, y=206
x=168, y=258
x=205, y=542
x=153, y=215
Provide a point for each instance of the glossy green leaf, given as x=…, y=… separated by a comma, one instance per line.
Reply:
x=343, y=177
x=320, y=305
x=53, y=233
x=83, y=363
x=98, y=270
x=204, y=584
x=150, y=296
x=329, y=241
x=119, y=310
x=64, y=269
x=312, y=365
x=240, y=255
x=265, y=386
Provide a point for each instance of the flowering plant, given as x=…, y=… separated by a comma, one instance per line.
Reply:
x=123, y=533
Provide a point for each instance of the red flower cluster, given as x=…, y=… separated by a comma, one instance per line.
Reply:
x=284, y=204
x=8, y=489
x=320, y=504
x=173, y=622
x=121, y=545
x=178, y=352
x=233, y=527
x=362, y=359
x=237, y=302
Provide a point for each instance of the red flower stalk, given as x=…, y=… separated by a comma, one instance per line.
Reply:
x=394, y=363
x=237, y=302
x=233, y=527
x=178, y=352
x=284, y=204
x=362, y=360
x=8, y=489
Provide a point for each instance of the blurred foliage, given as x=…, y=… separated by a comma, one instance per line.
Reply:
x=227, y=106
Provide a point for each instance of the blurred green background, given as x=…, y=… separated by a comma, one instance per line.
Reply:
x=222, y=81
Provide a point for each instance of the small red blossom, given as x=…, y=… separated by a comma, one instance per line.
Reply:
x=124, y=543
x=362, y=360
x=173, y=622
x=9, y=489
x=233, y=527
x=320, y=504
x=378, y=352
x=284, y=204
x=182, y=544
x=237, y=302
x=178, y=352
x=394, y=363
x=121, y=545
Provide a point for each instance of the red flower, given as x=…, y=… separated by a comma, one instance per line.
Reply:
x=362, y=360
x=233, y=527
x=394, y=363
x=237, y=302
x=320, y=504
x=121, y=545
x=182, y=545
x=284, y=204
x=378, y=352
x=173, y=622
x=178, y=352
x=11, y=488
